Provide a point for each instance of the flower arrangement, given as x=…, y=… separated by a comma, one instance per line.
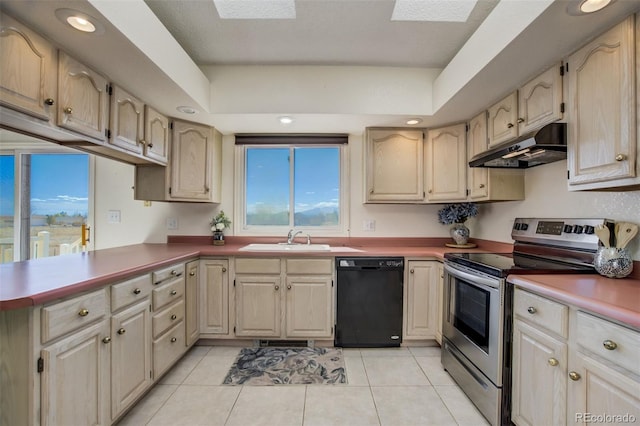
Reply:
x=220, y=222
x=457, y=213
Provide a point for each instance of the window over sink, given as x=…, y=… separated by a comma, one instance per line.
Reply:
x=291, y=181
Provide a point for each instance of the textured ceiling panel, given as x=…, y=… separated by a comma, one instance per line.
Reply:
x=433, y=10
x=255, y=9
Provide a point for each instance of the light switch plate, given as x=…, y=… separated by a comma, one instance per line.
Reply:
x=172, y=223
x=368, y=225
x=113, y=216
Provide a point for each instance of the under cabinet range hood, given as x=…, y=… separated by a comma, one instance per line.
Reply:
x=546, y=145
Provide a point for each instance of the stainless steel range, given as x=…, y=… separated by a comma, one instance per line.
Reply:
x=476, y=328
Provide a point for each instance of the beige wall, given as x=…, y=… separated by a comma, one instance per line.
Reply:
x=546, y=196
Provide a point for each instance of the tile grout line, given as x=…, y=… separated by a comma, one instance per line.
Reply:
x=304, y=404
x=234, y=405
x=159, y=408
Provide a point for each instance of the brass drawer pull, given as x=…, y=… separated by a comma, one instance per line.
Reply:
x=49, y=101
x=574, y=376
x=174, y=339
x=520, y=120
x=621, y=157
x=412, y=271
x=174, y=317
x=68, y=110
x=288, y=287
x=122, y=331
x=277, y=287
x=137, y=291
x=173, y=292
x=83, y=312
x=510, y=125
x=106, y=340
x=553, y=362
x=174, y=272
x=224, y=269
x=532, y=310
x=192, y=274
x=610, y=345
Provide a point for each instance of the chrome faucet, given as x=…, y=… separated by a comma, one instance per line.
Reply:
x=291, y=236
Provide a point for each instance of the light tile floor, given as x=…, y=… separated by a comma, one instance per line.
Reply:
x=388, y=387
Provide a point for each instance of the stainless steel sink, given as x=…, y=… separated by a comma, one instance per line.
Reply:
x=286, y=247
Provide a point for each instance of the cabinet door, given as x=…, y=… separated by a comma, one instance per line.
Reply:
x=83, y=99
x=191, y=162
x=75, y=381
x=446, y=164
x=127, y=120
x=477, y=142
x=192, y=311
x=420, y=300
x=602, y=129
x=503, y=118
x=258, y=306
x=600, y=390
x=214, y=299
x=156, y=135
x=130, y=356
x=394, y=164
x=439, y=302
x=28, y=70
x=540, y=100
x=309, y=305
x=539, y=377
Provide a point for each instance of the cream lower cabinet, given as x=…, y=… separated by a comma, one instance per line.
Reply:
x=214, y=297
x=284, y=298
x=569, y=365
x=446, y=164
x=191, y=305
x=421, y=300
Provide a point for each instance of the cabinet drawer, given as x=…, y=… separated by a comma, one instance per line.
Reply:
x=158, y=277
x=63, y=317
x=168, y=349
x=544, y=312
x=167, y=293
x=257, y=266
x=309, y=266
x=130, y=291
x=167, y=318
x=613, y=342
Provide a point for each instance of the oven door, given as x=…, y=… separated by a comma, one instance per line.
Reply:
x=473, y=317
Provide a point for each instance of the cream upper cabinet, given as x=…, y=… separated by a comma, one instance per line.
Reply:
x=503, y=120
x=533, y=105
x=126, y=121
x=191, y=305
x=28, y=70
x=83, y=98
x=488, y=184
x=214, y=297
x=394, y=165
x=156, y=135
x=446, y=160
x=603, y=144
x=420, y=300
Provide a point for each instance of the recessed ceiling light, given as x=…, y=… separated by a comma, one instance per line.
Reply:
x=433, y=10
x=414, y=121
x=583, y=7
x=285, y=120
x=186, y=109
x=256, y=9
x=80, y=21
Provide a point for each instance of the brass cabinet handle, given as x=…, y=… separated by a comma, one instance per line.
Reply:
x=174, y=273
x=481, y=185
x=532, y=310
x=173, y=292
x=610, y=345
x=553, y=362
x=574, y=376
x=621, y=157
x=68, y=110
x=49, y=101
x=289, y=287
x=83, y=312
x=106, y=340
x=174, y=339
x=137, y=291
x=224, y=269
x=122, y=331
x=192, y=274
x=412, y=271
x=142, y=142
x=206, y=189
x=150, y=144
x=520, y=120
x=174, y=317
x=277, y=287
x=371, y=191
x=510, y=125
x=430, y=191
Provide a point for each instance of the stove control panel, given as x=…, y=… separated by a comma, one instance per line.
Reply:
x=576, y=232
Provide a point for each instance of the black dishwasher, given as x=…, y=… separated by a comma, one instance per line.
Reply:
x=369, y=302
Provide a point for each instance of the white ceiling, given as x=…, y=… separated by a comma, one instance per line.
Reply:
x=173, y=52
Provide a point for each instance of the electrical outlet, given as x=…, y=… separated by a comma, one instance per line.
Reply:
x=172, y=223
x=113, y=216
x=368, y=225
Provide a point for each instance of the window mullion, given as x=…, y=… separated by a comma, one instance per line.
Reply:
x=291, y=187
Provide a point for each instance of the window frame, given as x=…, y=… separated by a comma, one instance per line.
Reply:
x=37, y=147
x=240, y=227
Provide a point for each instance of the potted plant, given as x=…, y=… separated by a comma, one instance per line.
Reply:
x=457, y=214
x=218, y=225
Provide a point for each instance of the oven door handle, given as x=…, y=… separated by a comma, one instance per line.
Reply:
x=477, y=280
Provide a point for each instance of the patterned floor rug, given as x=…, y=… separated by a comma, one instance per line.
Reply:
x=285, y=366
